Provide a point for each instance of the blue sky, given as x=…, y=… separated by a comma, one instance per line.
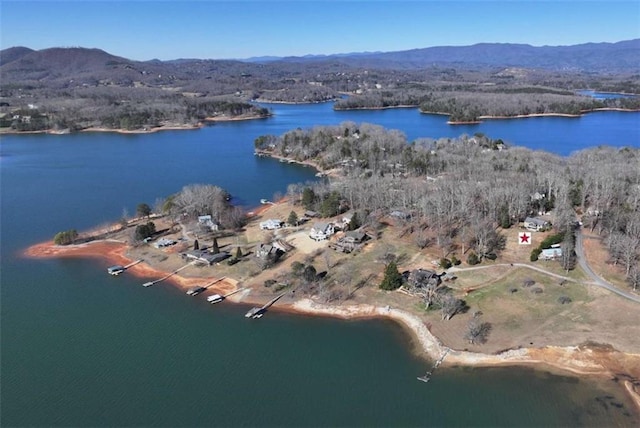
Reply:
x=143, y=30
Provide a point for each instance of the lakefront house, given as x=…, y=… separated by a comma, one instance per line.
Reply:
x=321, y=231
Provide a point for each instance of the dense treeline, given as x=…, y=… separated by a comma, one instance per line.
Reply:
x=78, y=88
x=467, y=105
x=118, y=108
x=457, y=194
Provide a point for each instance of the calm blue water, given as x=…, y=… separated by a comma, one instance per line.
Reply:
x=558, y=135
x=80, y=348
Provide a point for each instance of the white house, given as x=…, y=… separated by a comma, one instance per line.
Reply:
x=536, y=224
x=346, y=219
x=550, y=254
x=321, y=231
x=207, y=221
x=271, y=224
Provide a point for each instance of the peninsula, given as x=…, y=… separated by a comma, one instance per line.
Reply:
x=430, y=235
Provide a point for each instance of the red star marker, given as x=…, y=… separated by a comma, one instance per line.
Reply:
x=524, y=238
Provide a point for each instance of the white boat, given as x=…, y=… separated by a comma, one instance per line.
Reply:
x=195, y=291
x=264, y=201
x=215, y=298
x=252, y=313
x=115, y=270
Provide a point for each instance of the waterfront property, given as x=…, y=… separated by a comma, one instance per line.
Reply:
x=321, y=231
x=205, y=257
x=350, y=241
x=271, y=224
x=34, y=327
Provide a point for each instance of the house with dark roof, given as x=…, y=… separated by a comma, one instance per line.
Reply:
x=205, y=257
x=536, y=224
x=423, y=278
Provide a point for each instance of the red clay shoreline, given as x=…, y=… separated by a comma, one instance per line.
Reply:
x=577, y=360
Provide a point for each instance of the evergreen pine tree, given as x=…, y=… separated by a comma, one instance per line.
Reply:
x=392, y=278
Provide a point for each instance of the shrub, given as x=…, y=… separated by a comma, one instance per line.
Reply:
x=513, y=290
x=473, y=259
x=563, y=300
x=535, y=253
x=297, y=269
x=65, y=238
x=455, y=261
x=145, y=230
x=269, y=282
x=445, y=263
x=536, y=290
x=528, y=282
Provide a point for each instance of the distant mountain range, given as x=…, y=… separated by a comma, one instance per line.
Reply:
x=21, y=63
x=620, y=56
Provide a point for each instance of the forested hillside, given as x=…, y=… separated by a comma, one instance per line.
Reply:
x=458, y=194
x=76, y=88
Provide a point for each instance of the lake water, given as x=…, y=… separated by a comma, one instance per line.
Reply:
x=80, y=348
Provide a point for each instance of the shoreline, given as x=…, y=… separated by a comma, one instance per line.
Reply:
x=175, y=127
x=330, y=172
x=526, y=116
x=584, y=360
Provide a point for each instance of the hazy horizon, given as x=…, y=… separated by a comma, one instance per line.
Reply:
x=168, y=30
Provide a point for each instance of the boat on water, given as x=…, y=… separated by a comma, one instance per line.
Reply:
x=426, y=378
x=254, y=313
x=215, y=298
x=115, y=270
x=264, y=201
x=195, y=291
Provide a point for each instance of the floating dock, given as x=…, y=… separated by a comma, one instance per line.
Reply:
x=256, y=313
x=117, y=269
x=194, y=291
x=427, y=376
x=217, y=298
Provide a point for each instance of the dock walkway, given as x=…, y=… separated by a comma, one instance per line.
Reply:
x=150, y=283
x=256, y=312
x=427, y=376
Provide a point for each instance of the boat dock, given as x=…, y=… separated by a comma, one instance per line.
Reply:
x=150, y=283
x=427, y=376
x=217, y=298
x=117, y=269
x=194, y=291
x=256, y=312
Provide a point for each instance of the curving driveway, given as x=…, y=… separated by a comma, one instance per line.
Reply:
x=582, y=260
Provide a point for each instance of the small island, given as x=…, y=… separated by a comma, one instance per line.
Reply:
x=488, y=254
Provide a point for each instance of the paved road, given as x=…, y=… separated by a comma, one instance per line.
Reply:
x=582, y=260
x=536, y=268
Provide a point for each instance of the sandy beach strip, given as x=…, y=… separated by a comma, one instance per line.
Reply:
x=115, y=253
